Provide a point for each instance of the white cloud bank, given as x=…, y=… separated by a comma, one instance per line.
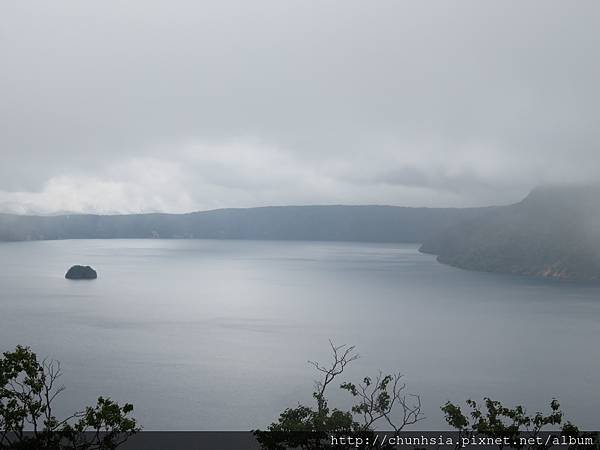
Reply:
x=160, y=106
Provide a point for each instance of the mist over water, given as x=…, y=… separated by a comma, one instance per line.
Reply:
x=215, y=335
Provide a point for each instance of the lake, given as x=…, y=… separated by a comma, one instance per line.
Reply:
x=215, y=335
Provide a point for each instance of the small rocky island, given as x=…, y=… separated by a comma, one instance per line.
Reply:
x=81, y=273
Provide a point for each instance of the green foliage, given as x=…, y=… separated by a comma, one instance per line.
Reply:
x=27, y=392
x=382, y=399
x=377, y=399
x=306, y=428
x=493, y=420
x=551, y=233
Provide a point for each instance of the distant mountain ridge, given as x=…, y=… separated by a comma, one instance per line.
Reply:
x=335, y=223
x=554, y=232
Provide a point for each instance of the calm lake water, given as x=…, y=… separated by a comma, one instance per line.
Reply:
x=215, y=335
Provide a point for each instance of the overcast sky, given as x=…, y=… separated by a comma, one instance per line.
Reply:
x=129, y=106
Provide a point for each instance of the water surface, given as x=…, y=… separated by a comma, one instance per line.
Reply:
x=215, y=335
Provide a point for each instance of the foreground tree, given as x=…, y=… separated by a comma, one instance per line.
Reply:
x=28, y=390
x=510, y=425
x=381, y=399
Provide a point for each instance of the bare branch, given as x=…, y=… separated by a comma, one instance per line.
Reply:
x=379, y=398
x=342, y=356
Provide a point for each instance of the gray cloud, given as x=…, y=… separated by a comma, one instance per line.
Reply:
x=175, y=106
